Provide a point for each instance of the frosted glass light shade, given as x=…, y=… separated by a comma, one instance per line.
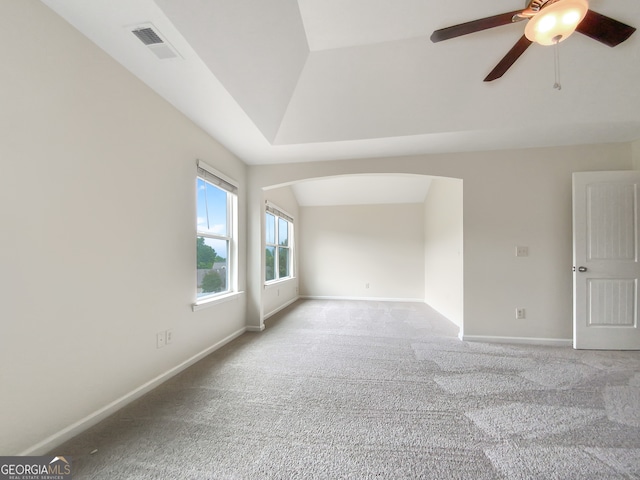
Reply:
x=556, y=22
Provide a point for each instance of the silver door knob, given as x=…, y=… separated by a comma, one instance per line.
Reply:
x=582, y=269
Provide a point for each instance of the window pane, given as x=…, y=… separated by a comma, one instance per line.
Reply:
x=212, y=208
x=213, y=265
x=270, y=263
x=270, y=229
x=283, y=262
x=283, y=232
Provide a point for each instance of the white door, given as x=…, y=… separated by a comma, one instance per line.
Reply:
x=605, y=260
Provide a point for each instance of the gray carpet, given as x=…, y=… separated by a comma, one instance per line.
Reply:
x=340, y=389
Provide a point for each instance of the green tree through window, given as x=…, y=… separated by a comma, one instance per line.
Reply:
x=211, y=282
x=206, y=254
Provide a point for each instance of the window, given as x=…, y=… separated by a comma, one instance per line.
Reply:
x=215, y=225
x=278, y=244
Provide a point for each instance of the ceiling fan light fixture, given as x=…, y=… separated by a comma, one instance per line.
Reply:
x=572, y=17
x=546, y=23
x=556, y=22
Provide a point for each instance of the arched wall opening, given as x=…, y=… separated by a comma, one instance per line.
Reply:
x=375, y=236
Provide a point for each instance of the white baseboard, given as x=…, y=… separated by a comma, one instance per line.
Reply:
x=369, y=299
x=255, y=329
x=556, y=342
x=281, y=307
x=92, y=419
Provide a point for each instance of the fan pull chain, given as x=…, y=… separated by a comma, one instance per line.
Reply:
x=557, y=85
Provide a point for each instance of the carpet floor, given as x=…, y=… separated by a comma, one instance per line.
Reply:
x=354, y=389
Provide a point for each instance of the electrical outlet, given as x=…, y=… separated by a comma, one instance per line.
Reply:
x=169, y=337
x=366, y=285
x=522, y=251
x=520, y=314
x=161, y=339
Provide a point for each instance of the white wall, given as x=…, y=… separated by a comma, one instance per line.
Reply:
x=97, y=206
x=444, y=265
x=344, y=248
x=511, y=197
x=278, y=295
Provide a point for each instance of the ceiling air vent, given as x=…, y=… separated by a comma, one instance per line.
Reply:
x=154, y=41
x=147, y=36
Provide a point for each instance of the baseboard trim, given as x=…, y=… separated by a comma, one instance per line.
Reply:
x=369, y=299
x=255, y=329
x=281, y=307
x=556, y=342
x=92, y=419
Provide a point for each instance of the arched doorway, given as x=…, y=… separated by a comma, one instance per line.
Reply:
x=372, y=236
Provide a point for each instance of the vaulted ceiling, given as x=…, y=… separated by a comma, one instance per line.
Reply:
x=299, y=80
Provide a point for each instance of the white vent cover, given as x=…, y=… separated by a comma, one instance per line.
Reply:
x=154, y=41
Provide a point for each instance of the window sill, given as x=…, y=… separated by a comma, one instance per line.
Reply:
x=274, y=283
x=210, y=302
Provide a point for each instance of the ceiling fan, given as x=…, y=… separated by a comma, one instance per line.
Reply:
x=548, y=22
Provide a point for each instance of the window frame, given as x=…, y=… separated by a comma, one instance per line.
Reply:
x=278, y=214
x=220, y=181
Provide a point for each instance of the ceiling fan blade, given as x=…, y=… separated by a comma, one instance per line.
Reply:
x=509, y=59
x=604, y=29
x=473, y=26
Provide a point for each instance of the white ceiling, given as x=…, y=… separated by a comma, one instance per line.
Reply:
x=302, y=80
x=339, y=23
